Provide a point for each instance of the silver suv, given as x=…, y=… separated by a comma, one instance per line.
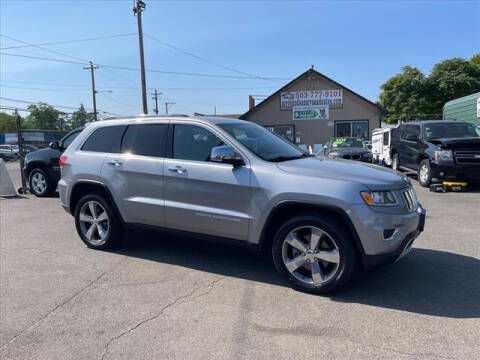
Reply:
x=234, y=180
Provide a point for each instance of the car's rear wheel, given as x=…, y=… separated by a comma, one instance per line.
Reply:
x=40, y=183
x=424, y=173
x=314, y=253
x=96, y=222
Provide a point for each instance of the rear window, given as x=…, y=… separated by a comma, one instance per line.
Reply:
x=145, y=139
x=105, y=139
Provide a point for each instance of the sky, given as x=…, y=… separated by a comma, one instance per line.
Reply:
x=358, y=44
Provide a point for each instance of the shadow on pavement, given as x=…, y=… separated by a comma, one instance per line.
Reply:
x=426, y=281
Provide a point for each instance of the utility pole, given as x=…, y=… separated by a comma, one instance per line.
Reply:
x=21, y=148
x=94, y=92
x=155, y=97
x=137, y=10
x=167, y=104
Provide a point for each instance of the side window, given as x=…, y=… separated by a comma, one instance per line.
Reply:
x=69, y=139
x=411, y=130
x=397, y=134
x=145, y=139
x=385, y=138
x=192, y=142
x=105, y=139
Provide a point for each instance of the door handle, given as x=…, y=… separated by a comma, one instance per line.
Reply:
x=177, y=169
x=115, y=163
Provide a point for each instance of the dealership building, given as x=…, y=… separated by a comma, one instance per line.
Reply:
x=313, y=108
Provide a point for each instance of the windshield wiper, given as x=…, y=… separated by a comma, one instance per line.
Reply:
x=287, y=158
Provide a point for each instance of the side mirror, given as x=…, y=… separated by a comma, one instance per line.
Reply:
x=226, y=155
x=55, y=145
x=411, y=137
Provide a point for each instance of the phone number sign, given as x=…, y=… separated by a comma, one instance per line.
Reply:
x=291, y=99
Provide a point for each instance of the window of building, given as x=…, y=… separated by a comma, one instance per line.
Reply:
x=355, y=128
x=105, y=139
x=145, y=139
x=191, y=142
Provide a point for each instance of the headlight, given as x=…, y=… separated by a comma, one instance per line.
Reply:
x=379, y=198
x=443, y=155
x=334, y=155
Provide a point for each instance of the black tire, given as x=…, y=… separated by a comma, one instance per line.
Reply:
x=395, y=162
x=48, y=186
x=424, y=178
x=344, y=243
x=114, y=229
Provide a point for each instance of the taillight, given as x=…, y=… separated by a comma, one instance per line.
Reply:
x=62, y=161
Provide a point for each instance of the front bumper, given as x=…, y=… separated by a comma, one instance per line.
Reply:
x=466, y=173
x=381, y=249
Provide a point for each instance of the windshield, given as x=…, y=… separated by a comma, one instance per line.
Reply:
x=347, y=142
x=450, y=130
x=262, y=142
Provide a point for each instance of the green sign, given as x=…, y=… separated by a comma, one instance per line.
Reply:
x=310, y=113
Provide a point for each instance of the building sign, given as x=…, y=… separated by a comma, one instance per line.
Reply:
x=292, y=99
x=478, y=107
x=310, y=113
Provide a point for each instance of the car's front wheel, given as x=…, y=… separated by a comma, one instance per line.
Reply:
x=314, y=253
x=424, y=173
x=96, y=222
x=40, y=183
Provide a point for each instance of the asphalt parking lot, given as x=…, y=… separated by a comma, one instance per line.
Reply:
x=176, y=298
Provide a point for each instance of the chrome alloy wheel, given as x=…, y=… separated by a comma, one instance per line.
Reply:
x=94, y=222
x=311, y=255
x=39, y=183
x=395, y=163
x=424, y=173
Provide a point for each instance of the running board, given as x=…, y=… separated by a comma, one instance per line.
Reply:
x=408, y=170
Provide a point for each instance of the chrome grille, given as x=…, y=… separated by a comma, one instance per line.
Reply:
x=410, y=199
x=467, y=157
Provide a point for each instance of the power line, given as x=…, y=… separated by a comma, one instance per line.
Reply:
x=58, y=106
x=147, y=70
x=205, y=60
x=75, y=87
x=69, y=41
x=41, y=48
x=66, y=86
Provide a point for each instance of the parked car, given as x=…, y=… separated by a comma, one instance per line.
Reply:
x=350, y=148
x=381, y=142
x=233, y=180
x=41, y=166
x=28, y=148
x=442, y=149
x=8, y=153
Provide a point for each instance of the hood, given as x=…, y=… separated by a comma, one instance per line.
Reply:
x=44, y=153
x=455, y=142
x=345, y=150
x=372, y=176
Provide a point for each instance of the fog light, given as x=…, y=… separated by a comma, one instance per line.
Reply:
x=388, y=233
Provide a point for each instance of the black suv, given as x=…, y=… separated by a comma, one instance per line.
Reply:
x=41, y=167
x=443, y=149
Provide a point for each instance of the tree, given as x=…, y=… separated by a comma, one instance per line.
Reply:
x=412, y=95
x=7, y=123
x=45, y=117
x=475, y=59
x=80, y=117
x=403, y=95
x=453, y=78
